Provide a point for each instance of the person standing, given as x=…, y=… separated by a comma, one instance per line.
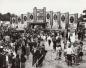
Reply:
x=13, y=61
x=23, y=60
x=1, y=58
x=49, y=49
x=59, y=51
x=69, y=52
x=27, y=50
x=80, y=50
x=54, y=42
x=41, y=57
x=23, y=49
x=35, y=53
x=17, y=60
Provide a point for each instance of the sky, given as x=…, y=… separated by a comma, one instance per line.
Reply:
x=23, y=6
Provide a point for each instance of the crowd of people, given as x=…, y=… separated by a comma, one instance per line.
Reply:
x=16, y=47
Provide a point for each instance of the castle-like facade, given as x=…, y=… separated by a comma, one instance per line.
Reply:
x=46, y=19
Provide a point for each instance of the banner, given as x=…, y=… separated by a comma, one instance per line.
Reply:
x=14, y=20
x=30, y=17
x=25, y=18
x=63, y=20
x=48, y=19
x=19, y=19
x=55, y=24
x=73, y=19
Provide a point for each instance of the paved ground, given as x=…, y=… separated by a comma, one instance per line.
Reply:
x=59, y=63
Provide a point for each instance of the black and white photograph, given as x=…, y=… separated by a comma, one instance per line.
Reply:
x=42, y=33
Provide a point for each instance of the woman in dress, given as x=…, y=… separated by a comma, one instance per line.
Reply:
x=49, y=49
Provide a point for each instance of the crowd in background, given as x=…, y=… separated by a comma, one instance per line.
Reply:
x=16, y=46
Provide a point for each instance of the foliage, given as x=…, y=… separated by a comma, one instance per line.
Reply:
x=6, y=17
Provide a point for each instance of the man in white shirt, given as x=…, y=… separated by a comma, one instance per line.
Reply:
x=69, y=53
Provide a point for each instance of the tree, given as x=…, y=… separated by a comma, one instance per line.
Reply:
x=8, y=15
x=1, y=16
